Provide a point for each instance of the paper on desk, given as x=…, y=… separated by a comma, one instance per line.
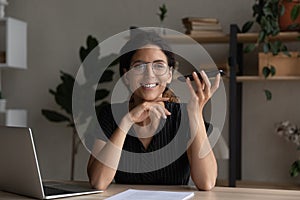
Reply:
x=151, y=195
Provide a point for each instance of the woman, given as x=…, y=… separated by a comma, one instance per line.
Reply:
x=152, y=121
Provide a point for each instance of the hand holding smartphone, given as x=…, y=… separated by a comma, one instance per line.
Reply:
x=209, y=74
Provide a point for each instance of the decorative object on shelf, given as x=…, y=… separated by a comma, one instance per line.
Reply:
x=63, y=94
x=2, y=103
x=285, y=65
x=292, y=134
x=3, y=3
x=162, y=15
x=16, y=117
x=290, y=19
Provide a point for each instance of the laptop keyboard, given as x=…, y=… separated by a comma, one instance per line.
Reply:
x=54, y=191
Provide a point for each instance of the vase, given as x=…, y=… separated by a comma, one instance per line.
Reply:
x=285, y=21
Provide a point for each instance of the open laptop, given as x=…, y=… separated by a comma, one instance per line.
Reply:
x=19, y=168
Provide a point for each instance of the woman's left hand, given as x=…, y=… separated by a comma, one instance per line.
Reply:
x=204, y=91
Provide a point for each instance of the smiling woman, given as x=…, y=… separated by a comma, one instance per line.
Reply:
x=150, y=139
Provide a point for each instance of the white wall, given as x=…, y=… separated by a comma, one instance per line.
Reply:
x=56, y=30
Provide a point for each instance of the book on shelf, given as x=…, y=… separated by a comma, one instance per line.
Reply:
x=200, y=19
x=204, y=33
x=202, y=26
x=208, y=27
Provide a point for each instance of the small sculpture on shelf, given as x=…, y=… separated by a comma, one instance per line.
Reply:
x=3, y=3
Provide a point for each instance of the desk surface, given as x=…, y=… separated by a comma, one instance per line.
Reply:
x=224, y=193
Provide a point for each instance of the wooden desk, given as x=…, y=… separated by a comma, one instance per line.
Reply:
x=224, y=193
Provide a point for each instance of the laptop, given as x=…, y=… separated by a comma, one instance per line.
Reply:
x=19, y=169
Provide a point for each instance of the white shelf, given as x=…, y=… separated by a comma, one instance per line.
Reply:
x=13, y=41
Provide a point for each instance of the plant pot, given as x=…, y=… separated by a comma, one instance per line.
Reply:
x=285, y=65
x=2, y=105
x=285, y=21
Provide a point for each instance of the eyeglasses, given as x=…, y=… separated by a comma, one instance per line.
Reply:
x=158, y=68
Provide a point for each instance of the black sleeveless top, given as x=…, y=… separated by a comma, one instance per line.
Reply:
x=165, y=160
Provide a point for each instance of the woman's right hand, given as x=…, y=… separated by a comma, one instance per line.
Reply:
x=148, y=109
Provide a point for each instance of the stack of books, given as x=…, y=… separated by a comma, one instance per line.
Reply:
x=198, y=26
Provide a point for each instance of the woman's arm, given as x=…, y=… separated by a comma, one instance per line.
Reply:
x=104, y=161
x=201, y=157
x=105, y=157
x=202, y=160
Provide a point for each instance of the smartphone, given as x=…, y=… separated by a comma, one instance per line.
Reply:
x=210, y=74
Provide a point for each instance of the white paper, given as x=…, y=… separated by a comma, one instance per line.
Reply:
x=151, y=195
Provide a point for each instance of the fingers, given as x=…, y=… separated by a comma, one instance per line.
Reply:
x=216, y=83
x=205, y=85
x=191, y=89
x=148, y=109
x=161, y=99
x=159, y=111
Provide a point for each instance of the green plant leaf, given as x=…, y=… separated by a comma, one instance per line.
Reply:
x=249, y=48
x=101, y=94
x=272, y=70
x=266, y=47
x=54, y=116
x=295, y=169
x=266, y=71
x=63, y=99
x=261, y=36
x=295, y=12
x=91, y=42
x=267, y=11
x=287, y=53
x=247, y=26
x=293, y=27
x=282, y=10
x=163, y=11
x=268, y=94
x=106, y=76
x=274, y=48
x=68, y=80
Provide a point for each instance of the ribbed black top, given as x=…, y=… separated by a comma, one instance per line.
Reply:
x=165, y=160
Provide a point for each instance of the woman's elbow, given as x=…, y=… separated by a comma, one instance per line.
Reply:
x=99, y=185
x=97, y=182
x=206, y=186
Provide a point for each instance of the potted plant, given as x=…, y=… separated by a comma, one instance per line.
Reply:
x=162, y=15
x=290, y=19
x=63, y=96
x=266, y=14
x=2, y=103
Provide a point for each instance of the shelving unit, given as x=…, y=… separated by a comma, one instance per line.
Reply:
x=13, y=46
x=236, y=80
x=13, y=43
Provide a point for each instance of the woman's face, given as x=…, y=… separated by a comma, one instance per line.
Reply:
x=148, y=81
